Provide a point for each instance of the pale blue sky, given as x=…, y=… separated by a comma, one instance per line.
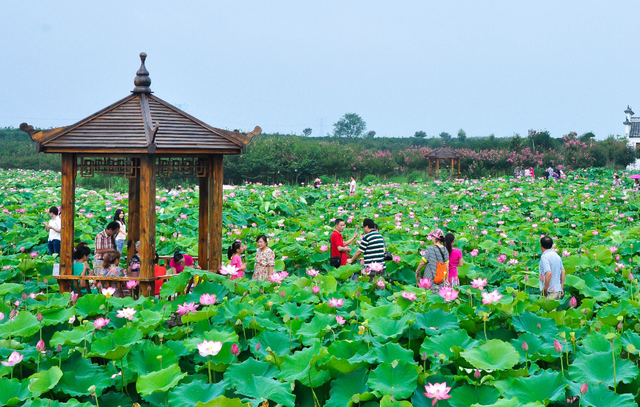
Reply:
x=485, y=66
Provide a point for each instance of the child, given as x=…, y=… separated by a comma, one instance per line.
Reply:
x=455, y=260
x=234, y=253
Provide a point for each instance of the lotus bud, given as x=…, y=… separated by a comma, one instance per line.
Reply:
x=525, y=346
x=538, y=325
x=585, y=311
x=45, y=281
x=424, y=355
x=584, y=388
x=573, y=302
x=13, y=313
x=630, y=277
x=24, y=296
x=435, y=354
x=526, y=278
x=282, y=293
x=235, y=350
x=557, y=346
x=59, y=348
x=315, y=289
x=257, y=346
x=619, y=326
x=40, y=346
x=39, y=317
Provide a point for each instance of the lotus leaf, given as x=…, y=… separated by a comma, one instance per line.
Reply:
x=492, y=355
x=394, y=379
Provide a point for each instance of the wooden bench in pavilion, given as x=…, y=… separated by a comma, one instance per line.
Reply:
x=142, y=137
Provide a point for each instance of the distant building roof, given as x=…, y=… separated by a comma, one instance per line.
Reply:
x=629, y=111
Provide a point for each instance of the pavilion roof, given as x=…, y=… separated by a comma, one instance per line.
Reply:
x=140, y=123
x=444, y=152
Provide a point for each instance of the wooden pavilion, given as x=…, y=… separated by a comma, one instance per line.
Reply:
x=446, y=154
x=142, y=137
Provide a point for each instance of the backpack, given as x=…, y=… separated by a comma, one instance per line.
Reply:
x=441, y=270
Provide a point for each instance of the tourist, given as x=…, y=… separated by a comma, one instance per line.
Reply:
x=339, y=248
x=533, y=173
x=551, y=271
x=372, y=245
x=134, y=263
x=636, y=185
x=433, y=255
x=81, y=262
x=527, y=173
x=352, y=186
x=516, y=172
x=105, y=243
x=455, y=260
x=53, y=227
x=616, y=181
x=235, y=258
x=180, y=261
x=317, y=182
x=159, y=271
x=121, y=237
x=265, y=260
x=111, y=265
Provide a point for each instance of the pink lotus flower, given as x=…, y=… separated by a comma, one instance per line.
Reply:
x=397, y=259
x=448, y=293
x=40, y=346
x=187, y=308
x=376, y=267
x=479, y=283
x=315, y=289
x=312, y=272
x=13, y=360
x=209, y=348
x=595, y=233
x=380, y=284
x=235, y=350
x=491, y=298
x=425, y=283
x=131, y=284
x=409, y=296
x=33, y=255
x=324, y=248
x=340, y=320
x=473, y=253
x=228, y=270
x=525, y=346
x=437, y=391
x=557, y=346
x=208, y=299
x=630, y=276
x=278, y=278
x=584, y=389
x=336, y=302
x=74, y=296
x=72, y=319
x=101, y=323
x=126, y=313
x=573, y=302
x=613, y=249
x=502, y=258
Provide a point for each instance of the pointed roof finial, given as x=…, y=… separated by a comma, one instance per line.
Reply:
x=142, y=80
x=628, y=111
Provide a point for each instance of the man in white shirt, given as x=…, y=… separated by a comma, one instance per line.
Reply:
x=53, y=227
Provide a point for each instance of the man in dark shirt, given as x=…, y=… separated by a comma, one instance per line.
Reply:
x=339, y=248
x=372, y=245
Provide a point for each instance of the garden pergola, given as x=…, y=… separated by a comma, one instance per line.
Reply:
x=142, y=137
x=444, y=153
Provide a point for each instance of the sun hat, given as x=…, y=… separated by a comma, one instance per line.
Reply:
x=438, y=234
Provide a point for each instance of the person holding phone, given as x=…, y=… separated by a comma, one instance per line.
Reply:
x=53, y=227
x=340, y=248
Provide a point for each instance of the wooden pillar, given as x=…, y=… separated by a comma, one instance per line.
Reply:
x=215, y=213
x=452, y=168
x=203, y=220
x=133, y=228
x=147, y=220
x=458, y=165
x=437, y=166
x=68, y=192
x=429, y=161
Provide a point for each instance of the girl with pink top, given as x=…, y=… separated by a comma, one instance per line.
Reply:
x=455, y=259
x=234, y=253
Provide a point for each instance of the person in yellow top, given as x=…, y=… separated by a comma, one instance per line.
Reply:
x=430, y=258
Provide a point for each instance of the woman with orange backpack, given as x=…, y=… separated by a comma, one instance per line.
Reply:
x=435, y=260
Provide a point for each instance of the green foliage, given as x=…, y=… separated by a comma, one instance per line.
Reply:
x=350, y=125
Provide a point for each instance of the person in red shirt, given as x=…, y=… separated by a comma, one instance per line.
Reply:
x=340, y=248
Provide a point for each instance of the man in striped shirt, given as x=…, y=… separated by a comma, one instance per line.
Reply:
x=372, y=245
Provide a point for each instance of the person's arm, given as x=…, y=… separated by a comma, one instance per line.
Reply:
x=355, y=257
x=562, y=281
x=420, y=267
x=348, y=242
x=547, y=281
x=461, y=262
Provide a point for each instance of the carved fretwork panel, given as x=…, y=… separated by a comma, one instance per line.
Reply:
x=128, y=167
x=167, y=167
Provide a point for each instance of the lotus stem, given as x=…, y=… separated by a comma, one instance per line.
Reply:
x=613, y=354
x=209, y=367
x=561, y=364
x=122, y=371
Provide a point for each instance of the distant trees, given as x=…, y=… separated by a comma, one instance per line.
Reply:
x=371, y=134
x=307, y=132
x=462, y=135
x=445, y=135
x=540, y=140
x=350, y=125
x=420, y=134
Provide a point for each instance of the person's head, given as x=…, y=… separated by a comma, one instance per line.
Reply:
x=53, y=211
x=81, y=252
x=112, y=258
x=368, y=225
x=156, y=258
x=112, y=228
x=375, y=227
x=449, y=238
x=436, y=236
x=353, y=179
x=340, y=225
x=546, y=243
x=138, y=246
x=119, y=215
x=236, y=248
x=617, y=177
x=261, y=241
x=179, y=260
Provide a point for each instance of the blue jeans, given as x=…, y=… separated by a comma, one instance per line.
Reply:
x=120, y=245
x=54, y=247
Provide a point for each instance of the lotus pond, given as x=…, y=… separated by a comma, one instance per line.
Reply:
x=325, y=339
